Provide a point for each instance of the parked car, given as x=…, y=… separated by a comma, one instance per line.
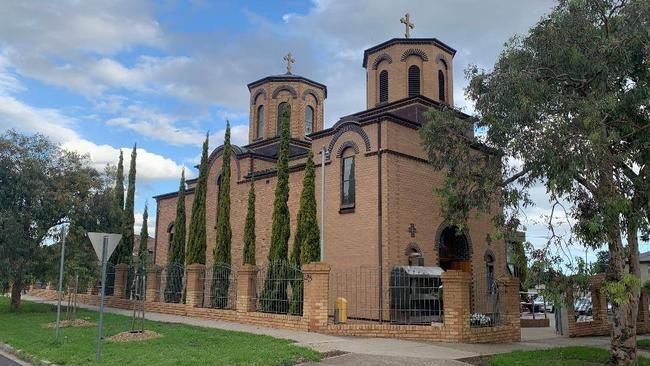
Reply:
x=582, y=306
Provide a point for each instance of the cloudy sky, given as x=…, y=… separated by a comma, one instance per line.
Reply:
x=99, y=76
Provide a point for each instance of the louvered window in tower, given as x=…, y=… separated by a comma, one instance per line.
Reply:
x=414, y=81
x=383, y=86
x=441, y=86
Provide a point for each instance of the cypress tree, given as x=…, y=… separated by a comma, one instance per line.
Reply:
x=308, y=226
x=124, y=251
x=118, y=212
x=274, y=294
x=176, y=253
x=221, y=255
x=196, y=244
x=306, y=240
x=144, y=235
x=249, y=227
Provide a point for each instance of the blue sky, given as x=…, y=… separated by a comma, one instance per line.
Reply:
x=98, y=76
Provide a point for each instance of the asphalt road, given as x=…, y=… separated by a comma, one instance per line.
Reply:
x=4, y=361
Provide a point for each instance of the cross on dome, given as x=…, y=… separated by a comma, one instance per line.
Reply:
x=406, y=20
x=289, y=59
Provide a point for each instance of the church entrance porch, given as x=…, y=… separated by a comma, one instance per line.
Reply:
x=453, y=250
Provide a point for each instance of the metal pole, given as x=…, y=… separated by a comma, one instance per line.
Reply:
x=98, y=354
x=60, y=292
x=322, y=203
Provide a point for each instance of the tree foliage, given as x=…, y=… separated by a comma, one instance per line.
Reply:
x=176, y=253
x=249, y=227
x=306, y=244
x=41, y=186
x=117, y=210
x=144, y=239
x=124, y=250
x=565, y=106
x=221, y=271
x=274, y=294
x=196, y=244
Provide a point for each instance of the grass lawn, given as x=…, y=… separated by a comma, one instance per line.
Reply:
x=566, y=356
x=643, y=344
x=179, y=344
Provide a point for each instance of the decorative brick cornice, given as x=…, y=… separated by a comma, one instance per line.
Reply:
x=287, y=88
x=257, y=93
x=347, y=144
x=351, y=126
x=383, y=57
x=313, y=94
x=414, y=52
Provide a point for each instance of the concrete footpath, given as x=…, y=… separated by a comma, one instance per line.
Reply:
x=379, y=351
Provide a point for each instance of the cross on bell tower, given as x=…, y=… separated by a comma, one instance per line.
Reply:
x=289, y=59
x=406, y=20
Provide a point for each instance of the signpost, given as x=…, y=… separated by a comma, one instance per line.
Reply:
x=104, y=245
x=60, y=292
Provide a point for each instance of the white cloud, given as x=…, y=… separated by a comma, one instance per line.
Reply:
x=151, y=222
x=149, y=166
x=17, y=115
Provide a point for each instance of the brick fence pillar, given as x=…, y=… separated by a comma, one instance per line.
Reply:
x=153, y=284
x=598, y=298
x=195, y=274
x=456, y=302
x=119, y=287
x=511, y=304
x=316, y=294
x=246, y=288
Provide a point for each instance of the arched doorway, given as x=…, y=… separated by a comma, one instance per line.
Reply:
x=453, y=250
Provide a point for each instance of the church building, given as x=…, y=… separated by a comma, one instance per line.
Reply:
x=380, y=208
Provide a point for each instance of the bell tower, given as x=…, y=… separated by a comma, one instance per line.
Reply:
x=405, y=67
x=269, y=95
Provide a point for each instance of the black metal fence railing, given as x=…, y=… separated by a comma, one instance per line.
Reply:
x=220, y=287
x=172, y=284
x=110, y=280
x=398, y=295
x=281, y=289
x=486, y=304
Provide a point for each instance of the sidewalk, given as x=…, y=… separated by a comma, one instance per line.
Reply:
x=378, y=351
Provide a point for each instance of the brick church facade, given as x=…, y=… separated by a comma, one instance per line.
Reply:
x=380, y=209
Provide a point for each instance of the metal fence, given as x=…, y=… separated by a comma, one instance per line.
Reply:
x=220, y=287
x=398, y=295
x=486, y=302
x=172, y=284
x=281, y=287
x=110, y=280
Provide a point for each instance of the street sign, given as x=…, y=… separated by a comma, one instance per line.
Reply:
x=104, y=244
x=97, y=239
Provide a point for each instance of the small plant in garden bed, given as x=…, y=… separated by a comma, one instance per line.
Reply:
x=480, y=320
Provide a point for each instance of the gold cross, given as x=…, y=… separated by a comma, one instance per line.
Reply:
x=406, y=20
x=289, y=59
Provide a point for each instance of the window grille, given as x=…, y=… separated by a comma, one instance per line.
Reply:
x=383, y=86
x=441, y=86
x=414, y=81
x=260, y=122
x=347, y=182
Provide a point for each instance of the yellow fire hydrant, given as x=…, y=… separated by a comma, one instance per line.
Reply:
x=341, y=311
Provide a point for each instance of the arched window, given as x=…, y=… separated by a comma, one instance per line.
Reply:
x=414, y=81
x=260, y=122
x=383, y=86
x=347, y=182
x=281, y=107
x=441, y=86
x=309, y=120
x=414, y=257
x=170, y=231
x=489, y=273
